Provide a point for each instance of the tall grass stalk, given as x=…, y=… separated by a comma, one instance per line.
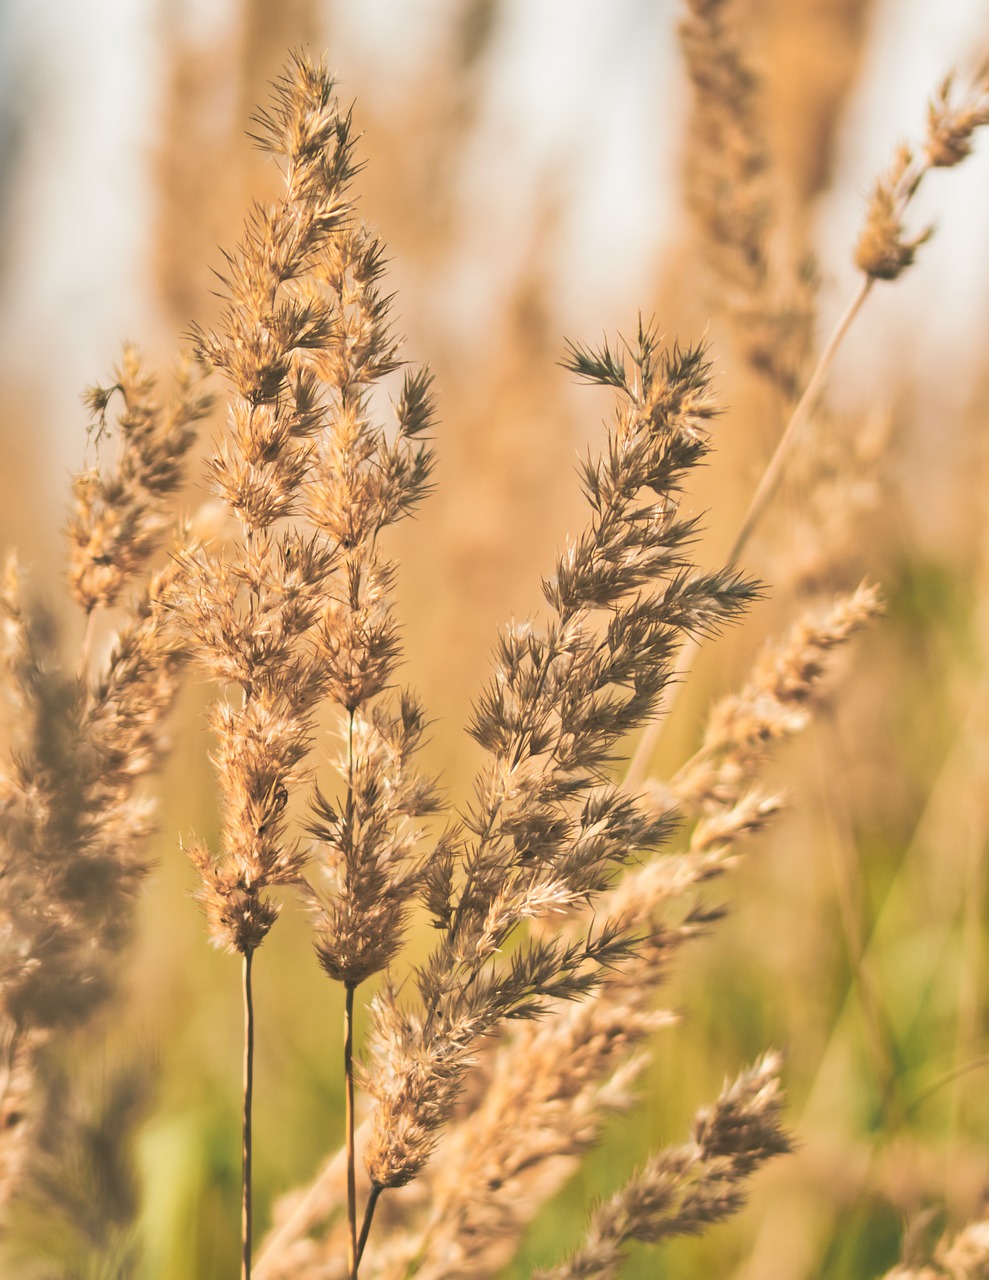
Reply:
x=247, y=1188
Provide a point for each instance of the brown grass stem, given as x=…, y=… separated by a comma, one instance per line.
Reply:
x=246, y=1201
x=348, y=1068
x=348, y=1053
x=774, y=468
x=369, y=1208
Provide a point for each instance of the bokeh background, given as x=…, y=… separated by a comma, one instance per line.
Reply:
x=525, y=167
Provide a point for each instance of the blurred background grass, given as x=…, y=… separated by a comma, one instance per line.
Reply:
x=524, y=168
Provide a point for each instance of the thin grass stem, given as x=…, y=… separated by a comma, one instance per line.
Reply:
x=348, y=1067
x=348, y=1053
x=774, y=468
x=246, y=1202
x=369, y=1208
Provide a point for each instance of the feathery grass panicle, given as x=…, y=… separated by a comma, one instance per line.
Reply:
x=564, y=1075
x=251, y=611
x=558, y=1080
x=884, y=249
x=588, y=1049
x=300, y=610
x=296, y=615
x=367, y=853
x=366, y=479
x=547, y=829
x=368, y=845
x=684, y=1190
x=120, y=516
x=73, y=825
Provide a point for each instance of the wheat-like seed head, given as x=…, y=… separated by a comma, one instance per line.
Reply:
x=884, y=250
x=546, y=831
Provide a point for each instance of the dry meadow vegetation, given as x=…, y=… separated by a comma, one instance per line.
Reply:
x=524, y=931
